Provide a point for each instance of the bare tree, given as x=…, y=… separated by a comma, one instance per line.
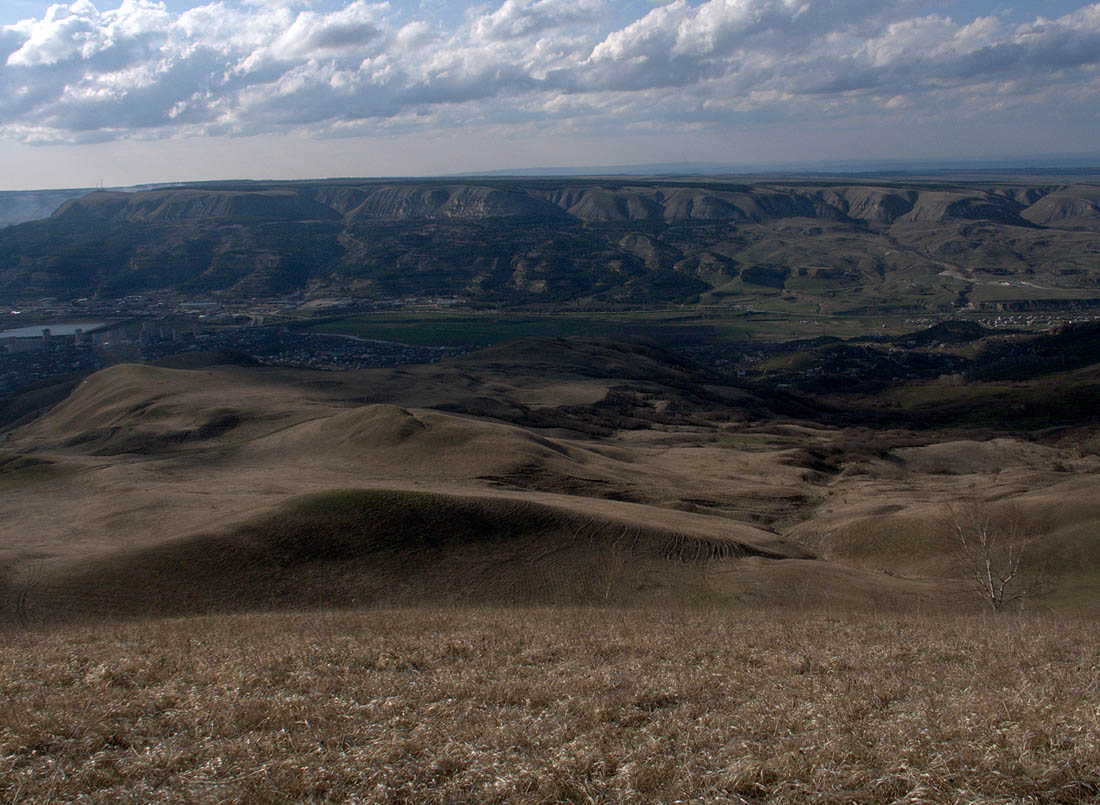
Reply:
x=996, y=551
x=19, y=584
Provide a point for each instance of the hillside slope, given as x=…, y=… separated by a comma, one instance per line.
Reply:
x=360, y=547
x=826, y=247
x=537, y=471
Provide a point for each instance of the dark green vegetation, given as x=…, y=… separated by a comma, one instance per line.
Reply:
x=929, y=378
x=797, y=247
x=674, y=328
x=956, y=374
x=443, y=329
x=484, y=329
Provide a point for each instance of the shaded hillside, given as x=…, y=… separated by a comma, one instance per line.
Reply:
x=964, y=349
x=825, y=248
x=1022, y=357
x=360, y=547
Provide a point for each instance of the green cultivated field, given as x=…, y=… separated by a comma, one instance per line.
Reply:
x=1017, y=292
x=445, y=329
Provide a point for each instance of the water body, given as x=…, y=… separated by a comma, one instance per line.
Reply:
x=68, y=328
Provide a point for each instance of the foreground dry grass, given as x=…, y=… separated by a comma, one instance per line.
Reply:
x=551, y=705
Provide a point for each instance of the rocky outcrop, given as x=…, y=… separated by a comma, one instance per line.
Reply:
x=429, y=201
x=190, y=204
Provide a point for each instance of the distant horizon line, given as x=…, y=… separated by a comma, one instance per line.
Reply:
x=1082, y=164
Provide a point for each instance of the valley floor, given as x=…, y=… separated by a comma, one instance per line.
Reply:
x=553, y=705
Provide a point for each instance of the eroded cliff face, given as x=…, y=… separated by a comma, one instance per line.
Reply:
x=593, y=202
x=557, y=241
x=185, y=204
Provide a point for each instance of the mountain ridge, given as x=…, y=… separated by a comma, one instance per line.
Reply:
x=593, y=200
x=813, y=246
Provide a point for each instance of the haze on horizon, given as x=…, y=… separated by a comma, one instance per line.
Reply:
x=150, y=91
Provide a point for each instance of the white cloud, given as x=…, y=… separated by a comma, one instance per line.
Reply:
x=349, y=31
x=654, y=35
x=521, y=18
x=80, y=73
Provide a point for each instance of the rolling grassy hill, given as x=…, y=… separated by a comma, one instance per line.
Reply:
x=367, y=548
x=540, y=471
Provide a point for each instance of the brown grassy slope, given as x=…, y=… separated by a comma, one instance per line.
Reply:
x=358, y=547
x=412, y=443
x=143, y=454
x=886, y=511
x=553, y=705
x=145, y=409
x=160, y=408
x=134, y=458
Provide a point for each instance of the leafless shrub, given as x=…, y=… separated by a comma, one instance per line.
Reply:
x=18, y=588
x=996, y=550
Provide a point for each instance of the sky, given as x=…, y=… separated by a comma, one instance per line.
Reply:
x=123, y=92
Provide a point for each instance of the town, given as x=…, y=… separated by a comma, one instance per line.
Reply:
x=79, y=336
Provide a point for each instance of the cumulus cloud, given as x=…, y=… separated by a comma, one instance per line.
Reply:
x=80, y=73
x=521, y=18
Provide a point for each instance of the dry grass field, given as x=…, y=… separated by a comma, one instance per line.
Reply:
x=536, y=472
x=553, y=705
x=551, y=571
